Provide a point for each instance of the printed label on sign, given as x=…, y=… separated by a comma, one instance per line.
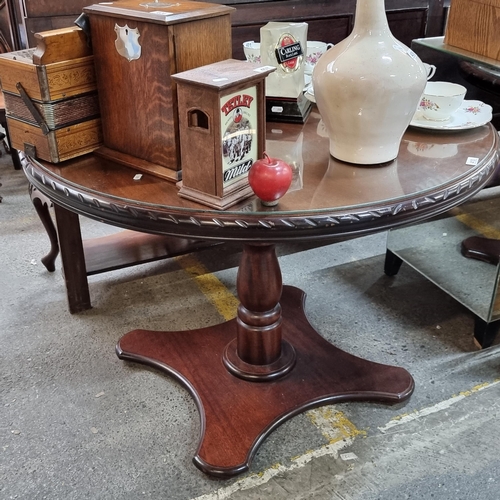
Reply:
x=289, y=53
x=239, y=134
x=263, y=68
x=472, y=161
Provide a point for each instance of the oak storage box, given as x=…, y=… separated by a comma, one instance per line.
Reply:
x=51, y=96
x=473, y=25
x=137, y=46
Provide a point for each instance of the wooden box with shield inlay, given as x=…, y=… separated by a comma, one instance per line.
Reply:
x=222, y=129
x=137, y=46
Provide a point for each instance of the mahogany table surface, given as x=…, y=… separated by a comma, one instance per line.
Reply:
x=250, y=374
x=430, y=175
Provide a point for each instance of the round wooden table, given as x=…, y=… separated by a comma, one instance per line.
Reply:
x=250, y=374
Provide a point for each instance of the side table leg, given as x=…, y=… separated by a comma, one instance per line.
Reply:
x=41, y=204
x=485, y=333
x=16, y=161
x=258, y=353
x=73, y=260
x=392, y=263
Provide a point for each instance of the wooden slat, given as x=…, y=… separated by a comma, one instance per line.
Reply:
x=129, y=248
x=61, y=45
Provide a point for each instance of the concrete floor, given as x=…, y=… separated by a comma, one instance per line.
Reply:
x=76, y=422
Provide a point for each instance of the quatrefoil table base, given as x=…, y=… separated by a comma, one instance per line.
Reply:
x=237, y=415
x=237, y=411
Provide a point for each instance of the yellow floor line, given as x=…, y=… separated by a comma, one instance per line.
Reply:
x=215, y=291
x=478, y=225
x=442, y=405
x=333, y=425
x=265, y=476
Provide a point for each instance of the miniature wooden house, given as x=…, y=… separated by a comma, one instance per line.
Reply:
x=222, y=129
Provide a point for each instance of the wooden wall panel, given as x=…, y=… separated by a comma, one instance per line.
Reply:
x=51, y=8
x=329, y=20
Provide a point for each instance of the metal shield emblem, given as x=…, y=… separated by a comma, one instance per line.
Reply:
x=127, y=42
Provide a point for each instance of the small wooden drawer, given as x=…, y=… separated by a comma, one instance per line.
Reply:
x=58, y=145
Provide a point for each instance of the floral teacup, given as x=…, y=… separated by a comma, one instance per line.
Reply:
x=314, y=51
x=441, y=99
x=252, y=51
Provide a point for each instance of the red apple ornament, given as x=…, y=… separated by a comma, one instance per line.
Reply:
x=270, y=179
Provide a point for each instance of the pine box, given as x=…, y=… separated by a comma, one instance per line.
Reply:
x=473, y=26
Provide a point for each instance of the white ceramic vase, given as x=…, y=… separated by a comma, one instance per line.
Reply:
x=367, y=89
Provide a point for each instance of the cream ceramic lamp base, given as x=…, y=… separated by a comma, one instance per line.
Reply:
x=367, y=88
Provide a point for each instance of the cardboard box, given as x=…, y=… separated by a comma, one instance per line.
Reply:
x=473, y=25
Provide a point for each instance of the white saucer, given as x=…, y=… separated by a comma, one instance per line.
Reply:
x=471, y=114
x=309, y=93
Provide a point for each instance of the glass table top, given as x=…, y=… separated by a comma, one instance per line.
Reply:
x=427, y=159
x=437, y=43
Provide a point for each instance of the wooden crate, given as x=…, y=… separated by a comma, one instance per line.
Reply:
x=60, y=66
x=57, y=80
x=473, y=26
x=58, y=145
x=137, y=95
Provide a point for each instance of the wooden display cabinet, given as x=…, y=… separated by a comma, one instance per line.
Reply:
x=222, y=130
x=473, y=26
